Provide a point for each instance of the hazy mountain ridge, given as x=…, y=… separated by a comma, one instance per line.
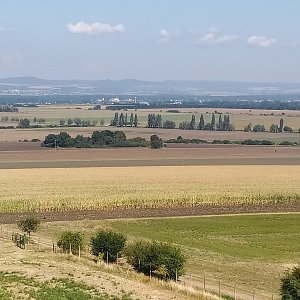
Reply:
x=34, y=86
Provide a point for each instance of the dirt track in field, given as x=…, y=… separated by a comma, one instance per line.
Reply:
x=128, y=213
x=31, y=155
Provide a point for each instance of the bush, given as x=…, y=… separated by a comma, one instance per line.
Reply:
x=290, y=285
x=28, y=225
x=108, y=242
x=156, y=142
x=73, y=239
x=163, y=260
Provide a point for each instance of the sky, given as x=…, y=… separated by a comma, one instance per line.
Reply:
x=232, y=40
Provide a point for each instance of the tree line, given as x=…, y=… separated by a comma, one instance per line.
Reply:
x=124, y=121
x=273, y=128
x=98, y=139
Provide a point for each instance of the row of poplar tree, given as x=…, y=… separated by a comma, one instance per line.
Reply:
x=123, y=120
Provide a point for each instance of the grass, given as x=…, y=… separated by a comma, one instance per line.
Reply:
x=140, y=187
x=239, y=117
x=251, y=251
x=15, y=286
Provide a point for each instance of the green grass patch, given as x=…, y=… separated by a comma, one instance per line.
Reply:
x=15, y=286
x=260, y=237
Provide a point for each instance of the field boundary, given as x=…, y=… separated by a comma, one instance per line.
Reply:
x=127, y=213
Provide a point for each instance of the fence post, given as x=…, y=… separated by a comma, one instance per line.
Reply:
x=139, y=264
x=176, y=275
x=107, y=261
x=78, y=251
x=70, y=249
x=219, y=289
x=53, y=247
x=150, y=271
x=235, y=292
x=117, y=258
x=204, y=285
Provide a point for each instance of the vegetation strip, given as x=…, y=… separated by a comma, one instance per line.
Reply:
x=119, y=213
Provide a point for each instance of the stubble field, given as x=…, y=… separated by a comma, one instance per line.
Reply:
x=145, y=187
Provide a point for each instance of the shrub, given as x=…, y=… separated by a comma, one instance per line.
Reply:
x=108, y=243
x=162, y=260
x=290, y=285
x=72, y=240
x=156, y=142
x=28, y=225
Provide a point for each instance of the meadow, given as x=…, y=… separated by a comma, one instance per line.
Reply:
x=145, y=187
x=250, y=251
x=239, y=117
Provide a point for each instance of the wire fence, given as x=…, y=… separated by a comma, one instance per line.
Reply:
x=206, y=284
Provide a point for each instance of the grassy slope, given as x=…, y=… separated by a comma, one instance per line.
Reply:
x=243, y=250
x=14, y=286
x=252, y=251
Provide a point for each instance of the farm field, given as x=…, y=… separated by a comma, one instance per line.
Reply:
x=240, y=117
x=250, y=251
x=145, y=187
x=15, y=155
x=15, y=135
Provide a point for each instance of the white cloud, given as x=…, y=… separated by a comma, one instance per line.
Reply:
x=10, y=59
x=214, y=38
x=164, y=36
x=261, y=41
x=94, y=28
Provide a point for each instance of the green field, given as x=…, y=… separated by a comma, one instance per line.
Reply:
x=251, y=251
x=15, y=286
x=239, y=117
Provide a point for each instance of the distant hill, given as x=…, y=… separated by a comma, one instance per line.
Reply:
x=37, y=86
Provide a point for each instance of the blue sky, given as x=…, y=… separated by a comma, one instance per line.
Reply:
x=257, y=40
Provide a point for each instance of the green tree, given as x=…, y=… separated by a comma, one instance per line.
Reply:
x=24, y=123
x=62, y=122
x=290, y=285
x=248, y=127
x=201, y=123
x=213, y=122
x=259, y=128
x=220, y=123
x=70, y=241
x=70, y=122
x=28, y=225
x=121, y=120
x=169, y=124
x=126, y=120
x=108, y=243
x=102, y=122
x=287, y=129
x=131, y=120
x=156, y=142
x=280, y=128
x=274, y=128
x=160, y=259
x=193, y=122
x=135, y=122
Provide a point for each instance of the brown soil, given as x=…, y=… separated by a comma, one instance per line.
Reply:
x=30, y=155
x=9, y=218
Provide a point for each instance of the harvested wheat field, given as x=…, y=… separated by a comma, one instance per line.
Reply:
x=146, y=187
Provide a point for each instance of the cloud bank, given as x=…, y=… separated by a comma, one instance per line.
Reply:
x=214, y=38
x=94, y=28
x=261, y=41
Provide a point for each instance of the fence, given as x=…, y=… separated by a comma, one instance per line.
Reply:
x=206, y=284
x=224, y=290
